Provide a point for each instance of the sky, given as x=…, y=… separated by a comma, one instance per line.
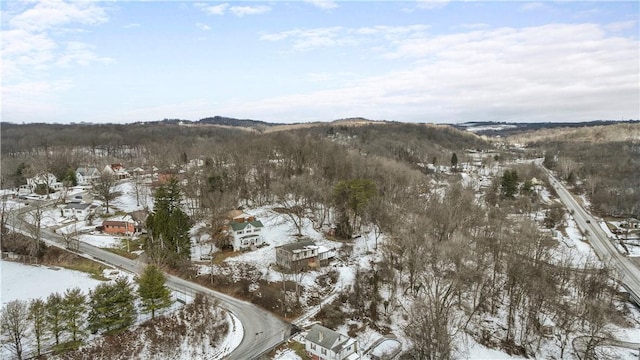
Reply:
x=302, y=61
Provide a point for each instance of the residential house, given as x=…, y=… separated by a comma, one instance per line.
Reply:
x=78, y=211
x=118, y=227
x=86, y=175
x=303, y=255
x=117, y=170
x=140, y=219
x=164, y=177
x=43, y=179
x=246, y=232
x=322, y=343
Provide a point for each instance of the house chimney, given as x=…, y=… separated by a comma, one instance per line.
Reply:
x=320, y=336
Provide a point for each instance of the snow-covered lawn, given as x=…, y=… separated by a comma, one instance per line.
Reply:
x=277, y=231
x=127, y=201
x=286, y=355
x=101, y=241
x=26, y=282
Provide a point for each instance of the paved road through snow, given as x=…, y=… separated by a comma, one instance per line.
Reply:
x=628, y=272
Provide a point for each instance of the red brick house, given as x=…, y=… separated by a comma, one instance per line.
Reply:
x=118, y=227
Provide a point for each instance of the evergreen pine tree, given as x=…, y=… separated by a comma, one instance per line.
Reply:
x=74, y=311
x=152, y=290
x=454, y=160
x=509, y=184
x=169, y=225
x=111, y=306
x=38, y=318
x=55, y=317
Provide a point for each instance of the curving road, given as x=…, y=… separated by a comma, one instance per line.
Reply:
x=262, y=330
x=628, y=272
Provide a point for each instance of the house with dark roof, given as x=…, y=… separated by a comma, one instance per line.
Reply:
x=303, y=255
x=246, y=232
x=78, y=211
x=322, y=343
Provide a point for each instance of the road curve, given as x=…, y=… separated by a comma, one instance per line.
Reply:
x=262, y=330
x=627, y=271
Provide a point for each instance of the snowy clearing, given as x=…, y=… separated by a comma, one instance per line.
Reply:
x=25, y=282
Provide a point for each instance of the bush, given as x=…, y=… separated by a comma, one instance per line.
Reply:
x=331, y=315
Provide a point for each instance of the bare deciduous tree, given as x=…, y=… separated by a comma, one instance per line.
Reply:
x=103, y=188
x=15, y=325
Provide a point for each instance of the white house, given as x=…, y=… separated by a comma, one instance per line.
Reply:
x=87, y=175
x=47, y=179
x=78, y=211
x=117, y=170
x=322, y=343
x=246, y=232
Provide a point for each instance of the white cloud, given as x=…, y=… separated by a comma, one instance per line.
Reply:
x=323, y=4
x=432, y=4
x=249, y=10
x=32, y=100
x=203, y=27
x=81, y=54
x=222, y=9
x=213, y=10
x=534, y=6
x=621, y=26
x=47, y=14
x=309, y=39
x=131, y=26
x=34, y=48
x=304, y=40
x=557, y=72
x=329, y=77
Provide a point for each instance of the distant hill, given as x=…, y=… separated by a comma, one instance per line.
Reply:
x=491, y=128
x=227, y=121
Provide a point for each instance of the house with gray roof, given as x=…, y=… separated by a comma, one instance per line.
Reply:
x=302, y=255
x=78, y=211
x=322, y=343
x=86, y=175
x=246, y=232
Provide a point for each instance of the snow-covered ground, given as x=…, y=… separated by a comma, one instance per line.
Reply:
x=127, y=201
x=26, y=282
x=277, y=231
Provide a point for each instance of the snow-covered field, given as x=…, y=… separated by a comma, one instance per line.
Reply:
x=127, y=201
x=26, y=282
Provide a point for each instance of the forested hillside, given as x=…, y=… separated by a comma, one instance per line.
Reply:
x=602, y=162
x=457, y=257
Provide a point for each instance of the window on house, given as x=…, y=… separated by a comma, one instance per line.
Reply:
x=324, y=351
x=240, y=232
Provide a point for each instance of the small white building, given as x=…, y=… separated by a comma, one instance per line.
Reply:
x=326, y=344
x=78, y=211
x=246, y=232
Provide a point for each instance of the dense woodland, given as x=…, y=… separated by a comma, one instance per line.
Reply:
x=466, y=263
